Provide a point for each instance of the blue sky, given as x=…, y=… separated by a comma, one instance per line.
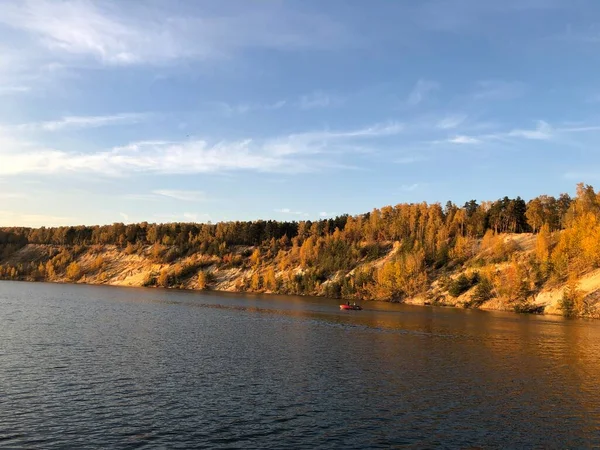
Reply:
x=167, y=110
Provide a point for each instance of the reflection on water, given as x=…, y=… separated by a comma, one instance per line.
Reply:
x=102, y=367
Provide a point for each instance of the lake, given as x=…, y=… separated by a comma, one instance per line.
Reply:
x=99, y=367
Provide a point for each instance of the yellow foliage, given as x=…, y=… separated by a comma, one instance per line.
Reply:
x=255, y=281
x=573, y=301
x=578, y=248
x=269, y=280
x=73, y=271
x=255, y=257
x=163, y=278
x=97, y=263
x=307, y=252
x=464, y=248
x=542, y=244
x=50, y=271
x=403, y=277
x=202, y=280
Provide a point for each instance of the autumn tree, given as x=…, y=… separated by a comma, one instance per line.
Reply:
x=73, y=272
x=202, y=280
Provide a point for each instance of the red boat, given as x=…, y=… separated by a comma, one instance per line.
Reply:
x=349, y=307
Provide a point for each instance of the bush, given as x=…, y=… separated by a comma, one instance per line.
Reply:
x=572, y=302
x=150, y=280
x=163, y=278
x=332, y=289
x=483, y=292
x=462, y=284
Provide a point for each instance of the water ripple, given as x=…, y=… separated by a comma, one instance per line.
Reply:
x=126, y=368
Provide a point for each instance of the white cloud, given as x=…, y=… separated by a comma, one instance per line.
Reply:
x=451, y=121
x=243, y=108
x=326, y=214
x=125, y=33
x=464, y=140
x=289, y=211
x=543, y=131
x=421, y=90
x=579, y=129
x=78, y=122
x=124, y=216
x=187, y=196
x=292, y=153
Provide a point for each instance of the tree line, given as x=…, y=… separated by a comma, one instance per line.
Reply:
x=423, y=242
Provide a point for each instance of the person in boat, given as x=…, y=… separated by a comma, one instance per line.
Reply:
x=348, y=303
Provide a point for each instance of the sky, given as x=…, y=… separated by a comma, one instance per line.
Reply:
x=198, y=111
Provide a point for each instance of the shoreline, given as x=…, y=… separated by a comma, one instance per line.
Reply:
x=246, y=293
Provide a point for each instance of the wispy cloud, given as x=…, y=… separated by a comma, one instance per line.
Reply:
x=410, y=187
x=294, y=213
x=464, y=140
x=186, y=196
x=231, y=110
x=318, y=99
x=78, y=122
x=498, y=90
x=326, y=214
x=9, y=90
x=421, y=90
x=319, y=141
x=450, y=122
x=543, y=131
x=125, y=33
x=291, y=153
x=314, y=100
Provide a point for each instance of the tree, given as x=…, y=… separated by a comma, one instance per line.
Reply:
x=571, y=302
x=202, y=280
x=255, y=257
x=542, y=244
x=270, y=281
x=73, y=271
x=255, y=282
x=483, y=292
x=163, y=278
x=535, y=214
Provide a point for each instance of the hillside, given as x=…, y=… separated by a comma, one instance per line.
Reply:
x=112, y=265
x=540, y=256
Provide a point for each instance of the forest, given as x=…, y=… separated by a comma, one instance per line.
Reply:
x=392, y=253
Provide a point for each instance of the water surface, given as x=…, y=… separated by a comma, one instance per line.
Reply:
x=98, y=367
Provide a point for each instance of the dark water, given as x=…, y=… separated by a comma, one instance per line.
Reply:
x=100, y=367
